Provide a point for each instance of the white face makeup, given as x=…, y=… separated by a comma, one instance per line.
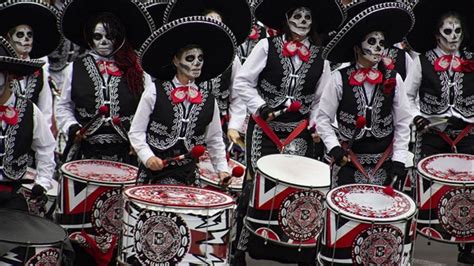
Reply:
x=102, y=43
x=373, y=46
x=190, y=63
x=3, y=78
x=300, y=21
x=450, y=35
x=22, y=40
x=214, y=15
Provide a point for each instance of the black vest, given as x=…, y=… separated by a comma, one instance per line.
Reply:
x=220, y=89
x=18, y=141
x=89, y=92
x=170, y=131
x=354, y=103
x=279, y=81
x=34, y=85
x=399, y=60
x=438, y=91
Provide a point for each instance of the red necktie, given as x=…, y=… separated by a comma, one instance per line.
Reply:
x=109, y=68
x=8, y=114
x=255, y=33
x=180, y=94
x=359, y=76
x=444, y=62
x=293, y=48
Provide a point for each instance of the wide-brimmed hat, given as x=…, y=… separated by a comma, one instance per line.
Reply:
x=156, y=8
x=422, y=37
x=39, y=16
x=76, y=13
x=10, y=62
x=395, y=19
x=215, y=38
x=236, y=14
x=327, y=14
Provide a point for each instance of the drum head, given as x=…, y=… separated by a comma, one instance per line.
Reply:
x=209, y=175
x=100, y=172
x=295, y=170
x=452, y=168
x=368, y=203
x=22, y=228
x=179, y=196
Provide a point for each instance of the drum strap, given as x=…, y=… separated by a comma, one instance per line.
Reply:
x=454, y=142
x=274, y=138
x=355, y=161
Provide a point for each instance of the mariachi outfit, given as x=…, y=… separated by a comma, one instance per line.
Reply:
x=96, y=83
x=375, y=95
x=440, y=86
x=278, y=73
x=172, y=118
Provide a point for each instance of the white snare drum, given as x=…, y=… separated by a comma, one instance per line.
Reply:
x=176, y=225
x=52, y=193
x=211, y=178
x=287, y=204
x=365, y=226
x=446, y=197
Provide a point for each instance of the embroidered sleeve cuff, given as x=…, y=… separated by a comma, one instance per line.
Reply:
x=145, y=154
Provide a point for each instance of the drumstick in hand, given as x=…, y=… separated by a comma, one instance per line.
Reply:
x=237, y=171
x=103, y=110
x=294, y=107
x=389, y=189
x=437, y=123
x=360, y=124
x=196, y=152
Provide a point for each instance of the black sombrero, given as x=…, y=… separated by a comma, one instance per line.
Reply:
x=76, y=13
x=327, y=14
x=395, y=19
x=39, y=16
x=427, y=14
x=156, y=8
x=237, y=14
x=10, y=62
x=215, y=38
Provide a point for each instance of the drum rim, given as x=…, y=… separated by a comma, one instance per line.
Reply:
x=338, y=211
x=211, y=182
x=176, y=206
x=440, y=240
x=429, y=176
x=258, y=169
x=216, y=185
x=95, y=182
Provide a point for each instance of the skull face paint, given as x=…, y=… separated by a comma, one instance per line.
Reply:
x=3, y=79
x=214, y=15
x=450, y=35
x=189, y=64
x=22, y=40
x=300, y=21
x=373, y=46
x=103, y=43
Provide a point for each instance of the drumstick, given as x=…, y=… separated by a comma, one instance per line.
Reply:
x=360, y=124
x=196, y=152
x=237, y=171
x=440, y=122
x=294, y=107
x=20, y=181
x=389, y=189
x=103, y=110
x=116, y=121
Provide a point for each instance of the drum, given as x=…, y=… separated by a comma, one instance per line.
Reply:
x=287, y=203
x=90, y=195
x=210, y=179
x=25, y=190
x=365, y=226
x=176, y=225
x=409, y=181
x=27, y=239
x=446, y=197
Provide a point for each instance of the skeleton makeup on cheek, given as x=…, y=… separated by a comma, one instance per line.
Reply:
x=103, y=43
x=373, y=46
x=190, y=63
x=450, y=34
x=22, y=40
x=300, y=21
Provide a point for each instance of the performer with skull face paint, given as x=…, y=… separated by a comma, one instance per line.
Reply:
x=367, y=99
x=443, y=79
x=175, y=113
x=104, y=87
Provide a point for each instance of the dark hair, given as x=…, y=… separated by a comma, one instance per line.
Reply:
x=465, y=30
x=313, y=36
x=125, y=56
x=207, y=11
x=181, y=50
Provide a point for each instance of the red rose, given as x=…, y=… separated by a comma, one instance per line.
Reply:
x=389, y=86
x=361, y=122
x=467, y=66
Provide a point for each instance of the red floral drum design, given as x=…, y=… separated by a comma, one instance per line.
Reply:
x=209, y=176
x=175, y=225
x=446, y=197
x=287, y=206
x=91, y=195
x=365, y=226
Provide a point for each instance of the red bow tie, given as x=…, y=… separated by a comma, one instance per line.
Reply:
x=293, y=48
x=108, y=67
x=444, y=62
x=359, y=76
x=180, y=94
x=255, y=33
x=272, y=32
x=8, y=114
